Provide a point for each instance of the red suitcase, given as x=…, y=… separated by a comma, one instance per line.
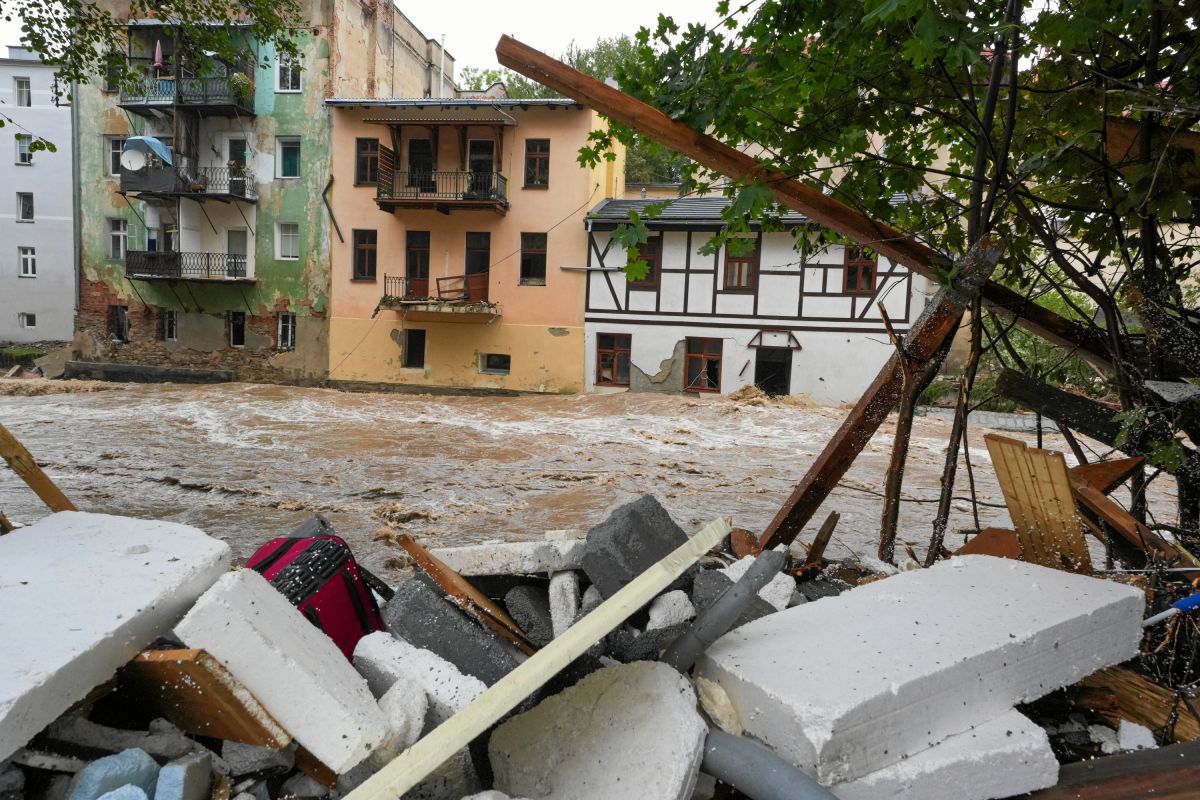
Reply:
x=314, y=569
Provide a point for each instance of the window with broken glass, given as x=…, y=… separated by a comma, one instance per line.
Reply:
x=612, y=359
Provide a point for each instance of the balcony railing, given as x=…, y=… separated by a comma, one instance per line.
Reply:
x=453, y=289
x=210, y=93
x=165, y=265
x=485, y=188
x=223, y=181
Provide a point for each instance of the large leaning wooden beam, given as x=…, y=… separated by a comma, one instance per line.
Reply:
x=23, y=464
x=791, y=193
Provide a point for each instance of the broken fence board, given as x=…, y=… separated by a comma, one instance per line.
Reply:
x=1105, y=476
x=426, y=755
x=28, y=470
x=1134, y=532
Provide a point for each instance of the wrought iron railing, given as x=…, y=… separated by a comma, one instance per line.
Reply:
x=425, y=186
x=165, y=265
x=455, y=288
x=232, y=181
x=187, y=91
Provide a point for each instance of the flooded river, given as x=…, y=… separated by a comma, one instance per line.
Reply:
x=247, y=462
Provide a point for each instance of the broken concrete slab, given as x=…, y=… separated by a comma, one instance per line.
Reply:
x=280, y=657
x=62, y=637
x=623, y=731
x=383, y=660
x=564, y=601
x=127, y=768
x=778, y=592
x=249, y=759
x=530, y=607
x=80, y=732
x=185, y=779
x=405, y=705
x=513, y=558
x=670, y=609
x=423, y=617
x=635, y=536
x=1004, y=757
x=900, y=666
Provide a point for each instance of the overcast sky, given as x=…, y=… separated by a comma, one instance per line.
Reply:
x=472, y=28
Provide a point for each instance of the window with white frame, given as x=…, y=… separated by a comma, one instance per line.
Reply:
x=118, y=234
x=27, y=319
x=27, y=262
x=22, y=92
x=115, y=145
x=287, y=157
x=287, y=248
x=286, y=333
x=287, y=74
x=24, y=149
x=24, y=206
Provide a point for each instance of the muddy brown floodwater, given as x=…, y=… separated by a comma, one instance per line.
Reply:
x=247, y=462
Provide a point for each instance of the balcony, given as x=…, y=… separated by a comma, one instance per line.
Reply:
x=442, y=191
x=459, y=298
x=148, y=265
x=209, y=183
x=215, y=96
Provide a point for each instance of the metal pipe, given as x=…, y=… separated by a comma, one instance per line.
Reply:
x=721, y=615
x=755, y=771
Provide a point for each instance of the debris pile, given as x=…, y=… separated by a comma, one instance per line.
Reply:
x=633, y=661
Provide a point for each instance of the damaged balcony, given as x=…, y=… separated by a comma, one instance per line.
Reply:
x=224, y=184
x=227, y=96
x=456, y=298
x=163, y=265
x=441, y=191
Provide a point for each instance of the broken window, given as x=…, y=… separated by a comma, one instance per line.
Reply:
x=533, y=259
x=703, y=365
x=860, y=271
x=741, y=271
x=118, y=323
x=496, y=363
x=168, y=324
x=414, y=348
x=537, y=163
x=650, y=251
x=612, y=359
x=285, y=336
x=366, y=161
x=237, y=328
x=364, y=254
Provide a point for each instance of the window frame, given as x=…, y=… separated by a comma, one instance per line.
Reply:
x=654, y=277
x=279, y=239
x=540, y=162
x=26, y=261
x=18, y=95
x=121, y=235
x=369, y=160
x=24, y=319
x=702, y=353
x=751, y=263
x=233, y=325
x=468, y=250
x=24, y=155
x=118, y=322
x=414, y=254
x=486, y=370
x=21, y=207
x=285, y=321
x=372, y=247
x=533, y=252
x=169, y=324
x=854, y=261
x=295, y=68
x=407, y=361
x=114, y=156
x=280, y=143
x=616, y=350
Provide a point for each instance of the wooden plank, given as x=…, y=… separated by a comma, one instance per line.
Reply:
x=1134, y=532
x=1168, y=773
x=464, y=595
x=1145, y=702
x=28, y=470
x=1013, y=487
x=311, y=766
x=1105, y=476
x=199, y=696
x=411, y=766
x=1070, y=532
x=6, y=526
x=791, y=193
x=996, y=542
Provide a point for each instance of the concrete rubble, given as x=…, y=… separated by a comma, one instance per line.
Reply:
x=916, y=695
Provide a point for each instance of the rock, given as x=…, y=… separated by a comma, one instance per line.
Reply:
x=383, y=660
x=512, y=558
x=530, y=609
x=624, y=731
x=718, y=706
x=816, y=589
x=627, y=644
x=672, y=608
x=405, y=705
x=590, y=601
x=778, y=591
x=186, y=779
x=129, y=767
x=54, y=363
x=710, y=584
x=564, y=601
x=302, y=786
x=249, y=759
x=76, y=730
x=635, y=536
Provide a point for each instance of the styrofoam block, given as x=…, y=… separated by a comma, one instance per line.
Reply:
x=1006, y=756
x=905, y=662
x=384, y=659
x=624, y=731
x=564, y=601
x=186, y=779
x=513, y=558
x=671, y=608
x=1131, y=736
x=131, y=767
x=778, y=591
x=82, y=595
x=296, y=672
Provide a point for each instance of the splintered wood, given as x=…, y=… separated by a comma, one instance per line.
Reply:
x=1038, y=494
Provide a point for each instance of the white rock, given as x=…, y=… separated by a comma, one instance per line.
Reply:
x=384, y=659
x=671, y=608
x=899, y=661
x=1131, y=736
x=296, y=672
x=718, y=706
x=1005, y=757
x=777, y=592
x=405, y=705
x=513, y=558
x=82, y=595
x=624, y=731
x=564, y=601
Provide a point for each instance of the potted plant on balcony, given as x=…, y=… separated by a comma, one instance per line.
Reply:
x=241, y=86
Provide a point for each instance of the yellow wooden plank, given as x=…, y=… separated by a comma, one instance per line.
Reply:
x=1012, y=470
x=1073, y=541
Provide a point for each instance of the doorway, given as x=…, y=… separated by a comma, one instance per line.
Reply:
x=237, y=250
x=481, y=163
x=773, y=370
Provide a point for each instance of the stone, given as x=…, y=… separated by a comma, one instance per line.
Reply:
x=778, y=591
x=129, y=767
x=624, y=731
x=186, y=779
x=710, y=584
x=294, y=670
x=671, y=608
x=383, y=660
x=627, y=644
x=249, y=759
x=718, y=706
x=303, y=786
x=816, y=589
x=530, y=609
x=512, y=558
x=1007, y=756
x=405, y=705
x=63, y=632
x=564, y=601
x=635, y=537
x=79, y=731
x=423, y=617
x=1131, y=736
x=900, y=667
x=590, y=601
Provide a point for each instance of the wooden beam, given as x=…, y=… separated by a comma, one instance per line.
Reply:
x=924, y=341
x=23, y=464
x=791, y=193
x=1145, y=702
x=1168, y=773
x=1078, y=413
